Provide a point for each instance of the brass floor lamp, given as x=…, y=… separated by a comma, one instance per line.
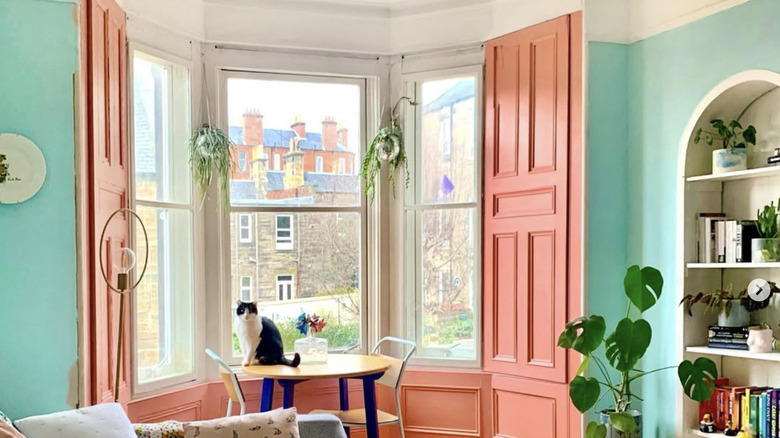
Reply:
x=123, y=261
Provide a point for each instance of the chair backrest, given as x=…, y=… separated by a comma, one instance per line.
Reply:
x=392, y=376
x=228, y=378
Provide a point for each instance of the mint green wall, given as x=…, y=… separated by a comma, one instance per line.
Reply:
x=38, y=343
x=668, y=75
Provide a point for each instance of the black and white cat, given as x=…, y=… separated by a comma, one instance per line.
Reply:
x=259, y=338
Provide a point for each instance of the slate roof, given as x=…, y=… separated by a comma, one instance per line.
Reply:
x=460, y=91
x=280, y=138
x=243, y=192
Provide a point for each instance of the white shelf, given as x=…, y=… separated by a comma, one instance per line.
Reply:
x=773, y=265
x=740, y=174
x=744, y=354
x=697, y=432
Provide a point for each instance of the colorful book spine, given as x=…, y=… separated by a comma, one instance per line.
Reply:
x=773, y=414
x=745, y=405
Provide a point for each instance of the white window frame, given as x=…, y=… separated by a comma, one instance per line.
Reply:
x=284, y=245
x=318, y=164
x=370, y=115
x=197, y=241
x=247, y=288
x=293, y=293
x=277, y=162
x=241, y=228
x=242, y=160
x=413, y=208
x=342, y=166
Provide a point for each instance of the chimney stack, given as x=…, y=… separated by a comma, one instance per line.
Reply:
x=342, y=134
x=299, y=127
x=253, y=127
x=329, y=135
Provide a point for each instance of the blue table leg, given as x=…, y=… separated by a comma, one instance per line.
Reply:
x=344, y=398
x=369, y=396
x=289, y=392
x=267, y=396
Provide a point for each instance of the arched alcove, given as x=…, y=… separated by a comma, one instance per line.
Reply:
x=753, y=98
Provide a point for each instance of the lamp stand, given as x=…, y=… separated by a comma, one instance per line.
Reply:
x=120, y=338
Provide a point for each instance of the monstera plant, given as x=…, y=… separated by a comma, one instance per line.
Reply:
x=623, y=349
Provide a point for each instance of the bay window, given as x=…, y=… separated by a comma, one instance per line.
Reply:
x=163, y=304
x=442, y=210
x=309, y=215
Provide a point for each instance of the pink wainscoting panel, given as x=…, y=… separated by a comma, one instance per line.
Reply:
x=526, y=408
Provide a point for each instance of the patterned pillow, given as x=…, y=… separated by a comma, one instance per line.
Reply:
x=279, y=423
x=166, y=429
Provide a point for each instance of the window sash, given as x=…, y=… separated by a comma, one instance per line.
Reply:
x=283, y=242
x=414, y=208
x=319, y=164
x=178, y=122
x=245, y=230
x=246, y=289
x=362, y=208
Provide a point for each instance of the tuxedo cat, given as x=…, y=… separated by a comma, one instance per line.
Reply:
x=260, y=339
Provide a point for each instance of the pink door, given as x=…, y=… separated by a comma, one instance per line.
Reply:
x=532, y=232
x=108, y=181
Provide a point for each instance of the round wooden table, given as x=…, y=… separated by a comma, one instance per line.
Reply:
x=367, y=368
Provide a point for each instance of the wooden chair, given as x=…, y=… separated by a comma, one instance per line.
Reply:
x=231, y=384
x=391, y=378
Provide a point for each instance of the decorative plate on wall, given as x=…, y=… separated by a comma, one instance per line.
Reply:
x=22, y=169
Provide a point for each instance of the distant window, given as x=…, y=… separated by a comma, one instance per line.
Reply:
x=245, y=228
x=445, y=133
x=318, y=165
x=242, y=160
x=284, y=232
x=246, y=289
x=277, y=162
x=342, y=166
x=284, y=287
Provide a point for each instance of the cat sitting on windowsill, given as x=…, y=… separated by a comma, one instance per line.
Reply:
x=260, y=340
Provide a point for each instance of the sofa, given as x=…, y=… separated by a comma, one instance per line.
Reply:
x=110, y=420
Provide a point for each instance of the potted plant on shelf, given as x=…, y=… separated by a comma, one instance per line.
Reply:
x=733, y=309
x=766, y=248
x=624, y=347
x=733, y=138
x=387, y=147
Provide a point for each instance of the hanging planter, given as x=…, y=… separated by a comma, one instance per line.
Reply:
x=212, y=155
x=387, y=147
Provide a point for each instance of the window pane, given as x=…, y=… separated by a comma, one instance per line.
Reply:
x=449, y=288
x=447, y=160
x=283, y=221
x=321, y=274
x=312, y=131
x=160, y=131
x=164, y=325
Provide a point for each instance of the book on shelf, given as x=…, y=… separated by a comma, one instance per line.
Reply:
x=720, y=240
x=717, y=404
x=723, y=240
x=706, y=232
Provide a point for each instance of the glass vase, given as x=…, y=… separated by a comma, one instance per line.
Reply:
x=313, y=350
x=765, y=250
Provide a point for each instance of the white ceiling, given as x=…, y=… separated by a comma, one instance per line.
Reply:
x=383, y=8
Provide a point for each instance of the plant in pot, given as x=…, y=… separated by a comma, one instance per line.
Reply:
x=733, y=309
x=212, y=156
x=624, y=348
x=733, y=138
x=766, y=248
x=387, y=147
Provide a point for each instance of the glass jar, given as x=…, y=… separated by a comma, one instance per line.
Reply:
x=765, y=250
x=313, y=350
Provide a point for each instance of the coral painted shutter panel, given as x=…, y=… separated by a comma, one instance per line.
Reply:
x=108, y=181
x=526, y=192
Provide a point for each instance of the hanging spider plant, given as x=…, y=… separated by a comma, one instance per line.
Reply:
x=211, y=155
x=388, y=147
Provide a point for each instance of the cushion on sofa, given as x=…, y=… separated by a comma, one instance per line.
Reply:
x=166, y=429
x=8, y=431
x=282, y=423
x=96, y=421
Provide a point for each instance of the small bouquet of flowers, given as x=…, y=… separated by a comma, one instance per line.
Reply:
x=311, y=322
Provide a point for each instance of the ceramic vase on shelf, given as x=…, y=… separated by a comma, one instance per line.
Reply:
x=729, y=160
x=765, y=250
x=738, y=316
x=313, y=350
x=613, y=433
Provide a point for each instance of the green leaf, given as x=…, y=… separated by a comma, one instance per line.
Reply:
x=750, y=135
x=596, y=430
x=584, y=393
x=697, y=378
x=697, y=138
x=643, y=286
x=735, y=124
x=583, y=366
x=623, y=421
x=590, y=337
x=628, y=343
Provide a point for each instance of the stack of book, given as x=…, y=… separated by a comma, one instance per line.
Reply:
x=756, y=408
x=723, y=240
x=732, y=338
